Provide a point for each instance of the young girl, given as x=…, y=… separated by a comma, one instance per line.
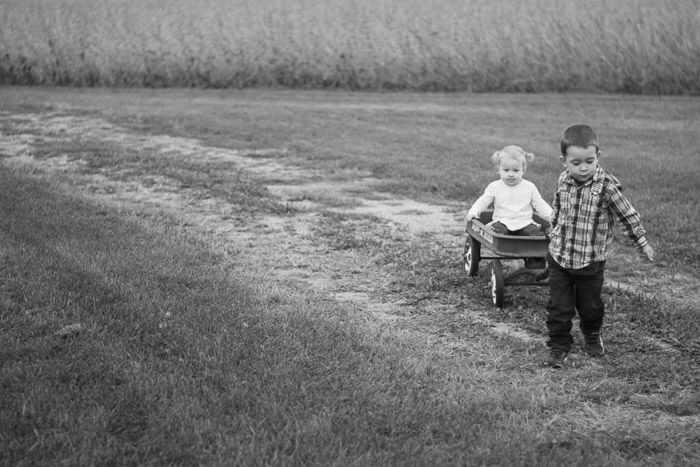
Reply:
x=514, y=200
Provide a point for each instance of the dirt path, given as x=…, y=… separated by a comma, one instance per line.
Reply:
x=287, y=245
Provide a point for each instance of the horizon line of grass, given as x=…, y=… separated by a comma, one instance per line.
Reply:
x=632, y=46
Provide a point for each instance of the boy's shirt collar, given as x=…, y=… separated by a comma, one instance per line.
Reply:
x=597, y=175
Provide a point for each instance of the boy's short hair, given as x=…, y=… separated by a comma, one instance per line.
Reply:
x=581, y=136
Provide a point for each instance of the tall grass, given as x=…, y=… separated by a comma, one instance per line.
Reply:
x=632, y=46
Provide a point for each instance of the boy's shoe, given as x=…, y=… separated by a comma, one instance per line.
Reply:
x=557, y=358
x=593, y=344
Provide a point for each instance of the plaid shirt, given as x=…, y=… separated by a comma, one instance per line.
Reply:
x=583, y=216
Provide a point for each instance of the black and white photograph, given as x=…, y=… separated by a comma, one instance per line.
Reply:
x=350, y=233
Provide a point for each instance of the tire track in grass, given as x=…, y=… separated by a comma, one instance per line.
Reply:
x=288, y=247
x=303, y=190
x=307, y=191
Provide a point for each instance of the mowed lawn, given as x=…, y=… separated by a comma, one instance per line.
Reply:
x=243, y=375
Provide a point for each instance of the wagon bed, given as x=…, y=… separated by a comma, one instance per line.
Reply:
x=498, y=247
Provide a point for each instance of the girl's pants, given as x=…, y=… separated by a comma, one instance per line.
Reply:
x=528, y=230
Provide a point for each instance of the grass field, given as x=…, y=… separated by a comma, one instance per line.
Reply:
x=629, y=46
x=192, y=351
x=436, y=145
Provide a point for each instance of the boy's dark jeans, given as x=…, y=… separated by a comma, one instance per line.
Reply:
x=572, y=290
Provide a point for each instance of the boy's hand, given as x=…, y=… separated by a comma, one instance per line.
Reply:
x=470, y=216
x=648, y=251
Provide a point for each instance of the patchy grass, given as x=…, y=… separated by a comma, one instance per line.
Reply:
x=241, y=190
x=180, y=362
x=432, y=145
x=186, y=357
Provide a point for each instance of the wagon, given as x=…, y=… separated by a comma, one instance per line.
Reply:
x=484, y=244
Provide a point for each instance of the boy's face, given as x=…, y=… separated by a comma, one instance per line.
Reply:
x=581, y=162
x=511, y=171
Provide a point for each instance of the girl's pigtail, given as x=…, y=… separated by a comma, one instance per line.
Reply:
x=496, y=158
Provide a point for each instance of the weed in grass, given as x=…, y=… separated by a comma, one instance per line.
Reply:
x=425, y=269
x=344, y=232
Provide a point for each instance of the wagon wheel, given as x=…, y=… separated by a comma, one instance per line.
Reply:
x=472, y=256
x=497, y=285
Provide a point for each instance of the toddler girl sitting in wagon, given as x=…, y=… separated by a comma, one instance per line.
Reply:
x=513, y=198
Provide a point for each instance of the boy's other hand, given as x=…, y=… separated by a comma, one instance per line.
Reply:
x=649, y=252
x=470, y=216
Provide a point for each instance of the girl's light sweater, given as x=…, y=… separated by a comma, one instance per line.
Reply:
x=513, y=206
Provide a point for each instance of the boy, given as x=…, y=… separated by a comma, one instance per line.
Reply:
x=586, y=203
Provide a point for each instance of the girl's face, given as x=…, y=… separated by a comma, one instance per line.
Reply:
x=581, y=162
x=511, y=171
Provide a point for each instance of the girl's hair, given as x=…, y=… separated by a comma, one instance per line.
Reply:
x=512, y=152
